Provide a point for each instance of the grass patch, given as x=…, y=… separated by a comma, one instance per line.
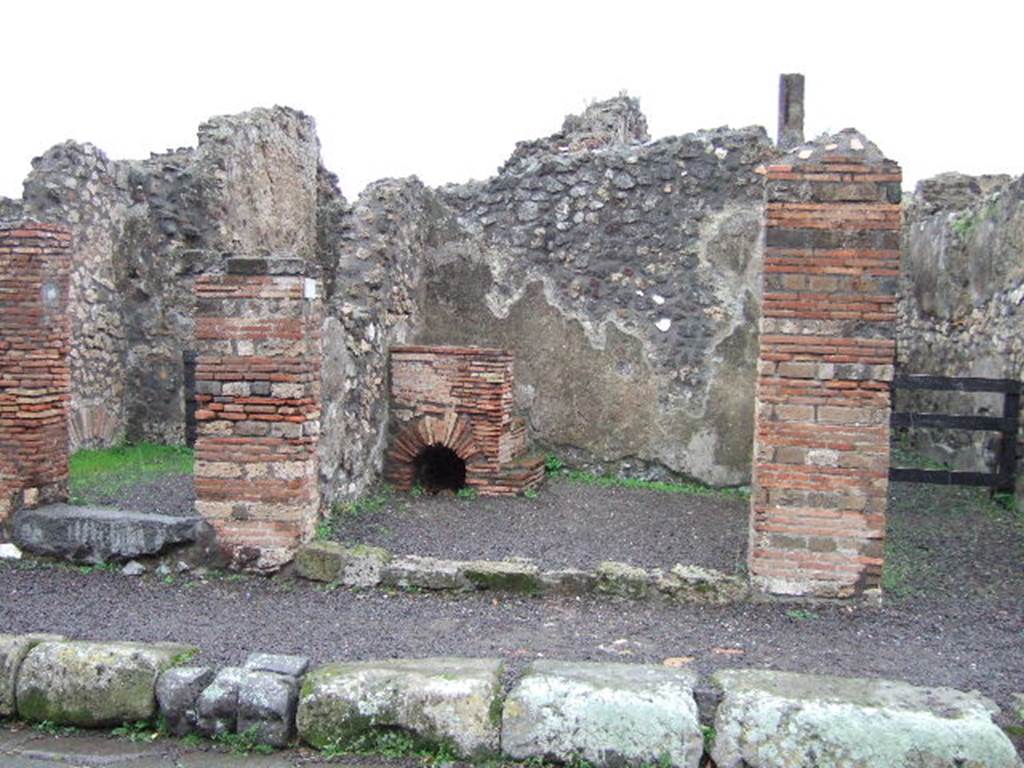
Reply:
x=369, y=504
x=96, y=474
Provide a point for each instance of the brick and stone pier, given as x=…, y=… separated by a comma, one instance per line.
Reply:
x=258, y=334
x=825, y=368
x=35, y=379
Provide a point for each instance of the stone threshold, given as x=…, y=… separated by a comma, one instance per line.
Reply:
x=365, y=566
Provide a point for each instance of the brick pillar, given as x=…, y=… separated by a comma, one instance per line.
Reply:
x=257, y=383
x=828, y=332
x=35, y=380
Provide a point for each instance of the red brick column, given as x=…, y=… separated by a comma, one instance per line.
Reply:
x=826, y=362
x=258, y=408
x=35, y=380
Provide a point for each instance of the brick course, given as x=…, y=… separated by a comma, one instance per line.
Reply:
x=827, y=351
x=461, y=398
x=258, y=330
x=35, y=379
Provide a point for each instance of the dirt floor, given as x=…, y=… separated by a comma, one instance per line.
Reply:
x=954, y=612
x=567, y=524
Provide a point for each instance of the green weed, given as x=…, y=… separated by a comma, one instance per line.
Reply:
x=51, y=728
x=369, y=504
x=244, y=743
x=390, y=744
x=466, y=494
x=553, y=465
x=695, y=488
x=141, y=731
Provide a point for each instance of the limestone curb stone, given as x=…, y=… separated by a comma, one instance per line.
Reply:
x=622, y=579
x=568, y=581
x=328, y=561
x=415, y=572
x=363, y=566
x=440, y=701
x=785, y=719
x=177, y=691
x=13, y=650
x=692, y=583
x=93, y=684
x=99, y=534
x=604, y=714
x=320, y=561
x=519, y=575
x=266, y=707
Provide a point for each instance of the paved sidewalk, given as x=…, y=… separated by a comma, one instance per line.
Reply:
x=23, y=747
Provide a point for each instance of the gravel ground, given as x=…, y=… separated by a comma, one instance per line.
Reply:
x=168, y=495
x=567, y=525
x=954, y=615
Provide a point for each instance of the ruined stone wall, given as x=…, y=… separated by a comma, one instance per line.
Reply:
x=621, y=274
x=143, y=231
x=962, y=304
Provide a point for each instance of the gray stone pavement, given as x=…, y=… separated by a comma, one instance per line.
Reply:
x=21, y=746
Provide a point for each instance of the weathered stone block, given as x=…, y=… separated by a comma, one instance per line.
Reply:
x=503, y=575
x=13, y=650
x=217, y=705
x=320, y=561
x=695, y=584
x=282, y=664
x=94, y=684
x=784, y=719
x=415, y=572
x=266, y=707
x=622, y=579
x=177, y=691
x=568, y=581
x=99, y=535
x=453, y=701
x=605, y=714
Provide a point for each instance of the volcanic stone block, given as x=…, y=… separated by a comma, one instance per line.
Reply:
x=13, y=650
x=768, y=719
x=217, y=705
x=605, y=714
x=266, y=707
x=292, y=666
x=94, y=684
x=99, y=535
x=441, y=701
x=176, y=693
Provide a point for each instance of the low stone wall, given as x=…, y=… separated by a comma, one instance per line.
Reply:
x=363, y=566
x=605, y=714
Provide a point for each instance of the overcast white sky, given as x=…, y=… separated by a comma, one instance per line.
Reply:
x=445, y=89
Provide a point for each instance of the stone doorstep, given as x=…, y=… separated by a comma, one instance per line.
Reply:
x=366, y=566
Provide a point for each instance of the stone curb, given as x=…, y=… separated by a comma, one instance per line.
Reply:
x=366, y=566
x=607, y=714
